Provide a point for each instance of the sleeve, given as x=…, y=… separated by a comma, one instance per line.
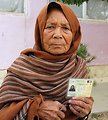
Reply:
x=85, y=117
x=22, y=114
x=10, y=111
x=22, y=110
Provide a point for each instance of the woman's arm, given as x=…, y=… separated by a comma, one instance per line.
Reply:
x=9, y=112
x=81, y=106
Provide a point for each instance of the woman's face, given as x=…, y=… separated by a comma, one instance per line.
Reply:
x=57, y=35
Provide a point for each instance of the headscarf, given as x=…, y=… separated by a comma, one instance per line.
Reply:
x=39, y=28
x=37, y=72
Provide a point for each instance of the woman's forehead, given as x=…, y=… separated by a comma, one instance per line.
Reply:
x=55, y=16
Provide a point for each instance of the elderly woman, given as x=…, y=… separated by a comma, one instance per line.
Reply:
x=36, y=84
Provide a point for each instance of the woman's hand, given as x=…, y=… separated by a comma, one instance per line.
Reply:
x=81, y=106
x=50, y=110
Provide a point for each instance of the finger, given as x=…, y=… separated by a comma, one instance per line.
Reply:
x=63, y=108
x=81, y=104
x=61, y=114
x=78, y=103
x=55, y=117
x=51, y=116
x=87, y=100
x=81, y=110
x=76, y=112
x=60, y=106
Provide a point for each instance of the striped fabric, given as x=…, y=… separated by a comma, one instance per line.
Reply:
x=29, y=76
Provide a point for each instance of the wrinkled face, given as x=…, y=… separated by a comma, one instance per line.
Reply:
x=57, y=35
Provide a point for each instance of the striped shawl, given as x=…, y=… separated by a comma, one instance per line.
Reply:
x=30, y=76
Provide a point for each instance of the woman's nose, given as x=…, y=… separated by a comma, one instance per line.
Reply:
x=58, y=33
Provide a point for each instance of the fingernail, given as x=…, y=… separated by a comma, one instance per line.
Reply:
x=74, y=97
x=70, y=101
x=63, y=108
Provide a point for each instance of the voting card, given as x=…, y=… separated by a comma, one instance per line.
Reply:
x=79, y=87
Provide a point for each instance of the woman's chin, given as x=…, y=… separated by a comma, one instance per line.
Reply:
x=57, y=52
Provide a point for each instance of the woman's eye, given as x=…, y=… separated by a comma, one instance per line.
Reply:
x=49, y=27
x=65, y=28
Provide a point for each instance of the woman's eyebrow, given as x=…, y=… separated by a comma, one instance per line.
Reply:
x=65, y=24
x=51, y=23
x=55, y=23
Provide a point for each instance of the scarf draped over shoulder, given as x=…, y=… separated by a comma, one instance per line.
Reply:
x=36, y=72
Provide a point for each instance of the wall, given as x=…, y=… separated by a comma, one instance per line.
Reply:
x=12, y=32
x=95, y=36
x=17, y=33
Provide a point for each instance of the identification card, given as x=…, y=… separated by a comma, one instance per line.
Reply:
x=79, y=87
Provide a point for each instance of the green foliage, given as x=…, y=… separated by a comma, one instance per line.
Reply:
x=104, y=0
x=77, y=2
x=82, y=52
x=94, y=115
